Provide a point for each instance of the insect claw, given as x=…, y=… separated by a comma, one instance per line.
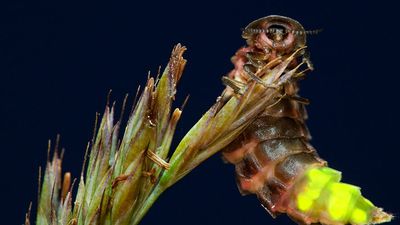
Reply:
x=252, y=75
x=302, y=73
x=237, y=86
x=307, y=60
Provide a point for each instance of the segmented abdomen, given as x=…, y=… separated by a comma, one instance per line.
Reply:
x=274, y=160
x=273, y=157
x=272, y=151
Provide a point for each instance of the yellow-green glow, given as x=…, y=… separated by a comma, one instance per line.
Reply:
x=320, y=194
x=368, y=202
x=339, y=201
x=336, y=175
x=324, y=174
x=304, y=203
x=314, y=193
x=316, y=180
x=359, y=216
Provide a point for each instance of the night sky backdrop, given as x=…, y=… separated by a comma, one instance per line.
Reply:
x=60, y=58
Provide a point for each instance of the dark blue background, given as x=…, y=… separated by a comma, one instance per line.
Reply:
x=59, y=59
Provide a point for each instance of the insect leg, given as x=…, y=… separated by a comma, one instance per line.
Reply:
x=256, y=58
x=251, y=72
x=307, y=60
x=237, y=86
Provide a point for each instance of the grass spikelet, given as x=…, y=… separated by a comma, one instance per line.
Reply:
x=124, y=177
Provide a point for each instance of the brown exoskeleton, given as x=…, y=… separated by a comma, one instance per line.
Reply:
x=275, y=147
x=268, y=38
x=274, y=153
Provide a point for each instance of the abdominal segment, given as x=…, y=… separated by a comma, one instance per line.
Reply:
x=274, y=160
x=271, y=153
